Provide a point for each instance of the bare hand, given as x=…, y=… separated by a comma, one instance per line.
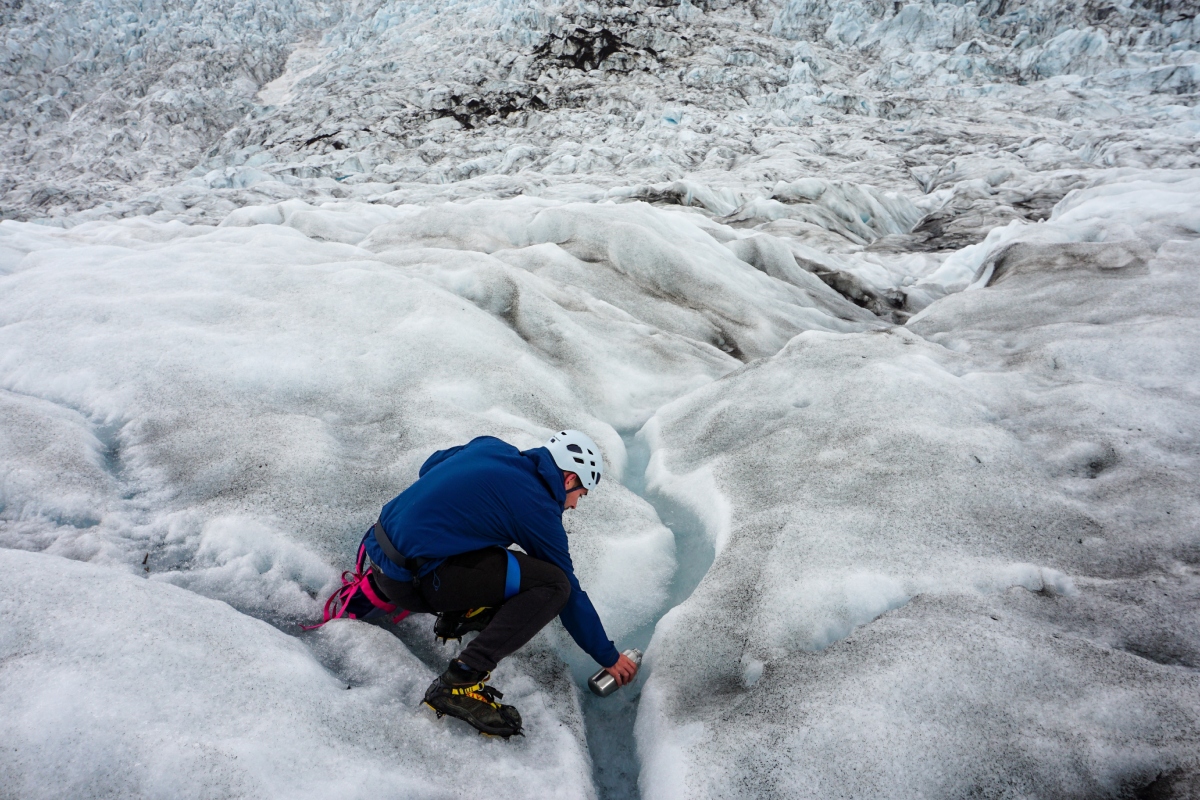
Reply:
x=624, y=670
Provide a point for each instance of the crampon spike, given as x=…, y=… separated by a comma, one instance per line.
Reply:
x=501, y=735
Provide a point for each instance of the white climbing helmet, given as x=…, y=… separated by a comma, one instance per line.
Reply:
x=574, y=451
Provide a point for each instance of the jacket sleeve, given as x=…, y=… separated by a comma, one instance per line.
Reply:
x=549, y=543
x=580, y=619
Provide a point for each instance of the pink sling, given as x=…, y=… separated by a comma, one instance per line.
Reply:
x=358, y=580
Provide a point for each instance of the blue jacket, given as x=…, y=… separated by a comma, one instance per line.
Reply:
x=488, y=493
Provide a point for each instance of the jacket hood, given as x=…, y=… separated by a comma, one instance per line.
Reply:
x=549, y=472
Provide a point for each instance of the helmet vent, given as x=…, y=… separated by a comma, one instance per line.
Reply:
x=575, y=452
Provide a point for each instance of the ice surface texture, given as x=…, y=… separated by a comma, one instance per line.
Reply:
x=893, y=305
x=302, y=98
x=225, y=409
x=1010, y=483
x=140, y=689
x=1011, y=476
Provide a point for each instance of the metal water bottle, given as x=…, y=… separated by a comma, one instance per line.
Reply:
x=604, y=684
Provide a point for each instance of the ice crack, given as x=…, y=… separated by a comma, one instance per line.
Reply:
x=609, y=721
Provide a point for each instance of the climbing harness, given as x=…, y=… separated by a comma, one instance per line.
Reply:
x=512, y=576
x=413, y=565
x=338, y=604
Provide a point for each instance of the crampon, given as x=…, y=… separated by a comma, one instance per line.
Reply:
x=474, y=703
x=455, y=624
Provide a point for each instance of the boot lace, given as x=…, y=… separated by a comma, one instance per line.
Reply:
x=481, y=692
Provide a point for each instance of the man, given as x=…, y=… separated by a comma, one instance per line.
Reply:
x=440, y=547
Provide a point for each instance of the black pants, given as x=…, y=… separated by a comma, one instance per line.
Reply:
x=475, y=579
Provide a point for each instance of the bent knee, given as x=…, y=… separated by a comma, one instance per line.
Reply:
x=556, y=580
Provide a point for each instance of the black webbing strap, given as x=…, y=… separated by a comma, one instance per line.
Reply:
x=389, y=550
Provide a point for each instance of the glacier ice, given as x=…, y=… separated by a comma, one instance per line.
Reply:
x=155, y=691
x=978, y=489
x=882, y=313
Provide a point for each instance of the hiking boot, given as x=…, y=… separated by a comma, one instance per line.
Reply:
x=461, y=692
x=454, y=624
